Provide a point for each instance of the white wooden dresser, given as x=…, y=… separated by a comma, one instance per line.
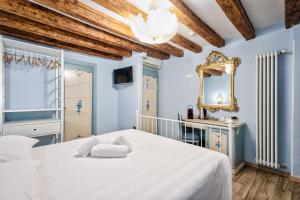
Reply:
x=227, y=138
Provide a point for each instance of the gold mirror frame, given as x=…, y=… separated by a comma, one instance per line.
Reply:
x=217, y=60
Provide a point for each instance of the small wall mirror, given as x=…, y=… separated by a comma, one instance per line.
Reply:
x=217, y=83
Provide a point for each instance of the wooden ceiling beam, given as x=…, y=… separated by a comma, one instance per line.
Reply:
x=292, y=13
x=125, y=9
x=186, y=43
x=54, y=43
x=40, y=14
x=236, y=13
x=187, y=17
x=23, y=24
x=88, y=14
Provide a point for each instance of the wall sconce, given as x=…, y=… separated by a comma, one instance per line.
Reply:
x=219, y=98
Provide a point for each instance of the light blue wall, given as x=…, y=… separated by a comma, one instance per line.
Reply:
x=128, y=94
x=175, y=92
x=296, y=150
x=29, y=88
x=129, y=98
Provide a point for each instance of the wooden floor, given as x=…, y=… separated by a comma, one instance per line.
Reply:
x=252, y=183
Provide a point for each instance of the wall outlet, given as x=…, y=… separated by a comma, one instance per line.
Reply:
x=283, y=165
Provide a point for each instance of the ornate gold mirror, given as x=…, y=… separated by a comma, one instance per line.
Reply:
x=217, y=83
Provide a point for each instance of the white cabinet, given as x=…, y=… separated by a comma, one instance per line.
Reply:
x=32, y=128
x=32, y=95
x=227, y=138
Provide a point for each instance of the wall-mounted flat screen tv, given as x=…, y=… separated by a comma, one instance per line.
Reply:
x=123, y=75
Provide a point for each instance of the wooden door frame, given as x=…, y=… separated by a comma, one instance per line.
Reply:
x=90, y=67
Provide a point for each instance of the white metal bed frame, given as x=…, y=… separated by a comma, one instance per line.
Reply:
x=170, y=132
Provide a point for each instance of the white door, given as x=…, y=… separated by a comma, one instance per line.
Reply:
x=78, y=104
x=149, y=107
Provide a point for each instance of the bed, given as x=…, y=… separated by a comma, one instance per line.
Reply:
x=157, y=168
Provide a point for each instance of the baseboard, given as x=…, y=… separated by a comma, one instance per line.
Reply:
x=274, y=171
x=238, y=169
x=267, y=169
x=295, y=179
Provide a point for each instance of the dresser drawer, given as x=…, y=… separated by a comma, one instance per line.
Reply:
x=194, y=125
x=219, y=142
x=32, y=129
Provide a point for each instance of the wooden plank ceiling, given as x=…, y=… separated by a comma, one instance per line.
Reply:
x=55, y=43
x=187, y=17
x=48, y=17
x=292, y=13
x=100, y=20
x=73, y=25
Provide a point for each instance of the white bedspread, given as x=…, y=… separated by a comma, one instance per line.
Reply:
x=158, y=168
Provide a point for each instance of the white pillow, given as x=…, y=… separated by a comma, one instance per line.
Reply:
x=123, y=141
x=16, y=147
x=109, y=151
x=16, y=179
x=86, y=147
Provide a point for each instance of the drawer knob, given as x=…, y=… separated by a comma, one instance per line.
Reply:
x=34, y=129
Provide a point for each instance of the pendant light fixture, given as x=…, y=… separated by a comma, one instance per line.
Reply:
x=159, y=26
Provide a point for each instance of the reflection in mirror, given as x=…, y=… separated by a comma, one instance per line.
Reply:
x=216, y=89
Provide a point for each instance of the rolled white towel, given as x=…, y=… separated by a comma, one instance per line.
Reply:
x=108, y=140
x=86, y=147
x=109, y=151
x=121, y=140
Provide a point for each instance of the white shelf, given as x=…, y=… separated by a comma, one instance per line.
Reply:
x=23, y=122
x=31, y=110
x=34, y=127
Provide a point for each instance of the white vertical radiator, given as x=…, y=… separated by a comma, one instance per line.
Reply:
x=266, y=109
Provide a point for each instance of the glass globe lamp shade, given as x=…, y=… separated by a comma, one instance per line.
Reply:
x=159, y=27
